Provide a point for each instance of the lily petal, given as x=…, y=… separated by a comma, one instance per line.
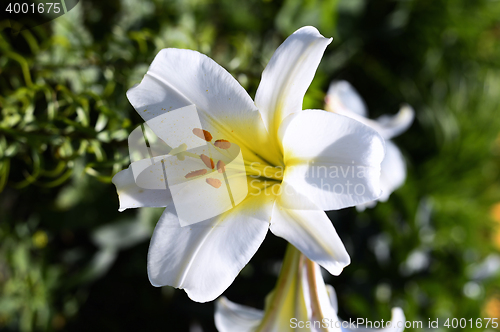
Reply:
x=179, y=78
x=393, y=170
x=133, y=196
x=288, y=75
x=204, y=258
x=311, y=232
x=394, y=125
x=332, y=295
x=392, y=174
x=331, y=160
x=342, y=97
x=230, y=315
x=367, y=205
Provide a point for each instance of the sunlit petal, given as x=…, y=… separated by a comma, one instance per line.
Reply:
x=392, y=174
x=312, y=233
x=332, y=160
x=332, y=295
x=204, y=258
x=178, y=78
x=230, y=316
x=343, y=98
x=133, y=196
x=393, y=170
x=394, y=125
x=288, y=75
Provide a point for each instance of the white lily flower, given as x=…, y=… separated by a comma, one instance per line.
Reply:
x=343, y=99
x=281, y=145
x=300, y=302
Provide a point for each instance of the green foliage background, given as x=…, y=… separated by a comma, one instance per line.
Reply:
x=70, y=261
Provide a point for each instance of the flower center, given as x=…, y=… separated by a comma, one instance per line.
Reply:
x=220, y=153
x=258, y=170
x=218, y=156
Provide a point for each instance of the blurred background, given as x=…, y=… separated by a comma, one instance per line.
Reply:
x=69, y=261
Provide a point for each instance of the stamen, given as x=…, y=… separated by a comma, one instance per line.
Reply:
x=221, y=167
x=195, y=173
x=214, y=182
x=222, y=144
x=208, y=161
x=203, y=134
x=179, y=149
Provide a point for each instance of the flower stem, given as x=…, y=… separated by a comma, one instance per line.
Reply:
x=298, y=279
x=279, y=298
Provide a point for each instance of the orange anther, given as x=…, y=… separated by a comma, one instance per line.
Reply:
x=195, y=173
x=221, y=167
x=208, y=161
x=222, y=144
x=203, y=134
x=214, y=182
